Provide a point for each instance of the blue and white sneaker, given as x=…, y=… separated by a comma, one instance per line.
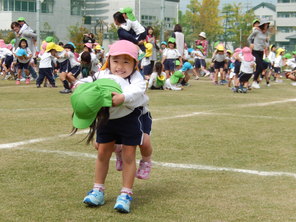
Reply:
x=94, y=198
x=123, y=203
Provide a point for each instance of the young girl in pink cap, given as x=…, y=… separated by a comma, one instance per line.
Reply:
x=125, y=125
x=246, y=69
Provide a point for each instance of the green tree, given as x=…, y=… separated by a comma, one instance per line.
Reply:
x=237, y=25
x=76, y=35
x=201, y=16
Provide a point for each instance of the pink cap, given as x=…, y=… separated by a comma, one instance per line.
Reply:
x=247, y=54
x=124, y=47
x=88, y=45
x=9, y=46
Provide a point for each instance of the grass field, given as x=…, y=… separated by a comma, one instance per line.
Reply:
x=203, y=138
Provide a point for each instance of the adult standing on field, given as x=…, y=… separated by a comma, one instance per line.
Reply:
x=259, y=41
x=202, y=40
x=180, y=39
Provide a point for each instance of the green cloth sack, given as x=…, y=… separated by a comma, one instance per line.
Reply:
x=89, y=98
x=174, y=79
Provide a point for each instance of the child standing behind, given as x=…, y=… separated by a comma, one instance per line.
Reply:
x=219, y=59
x=23, y=56
x=169, y=57
x=45, y=65
x=157, y=78
x=247, y=69
x=278, y=63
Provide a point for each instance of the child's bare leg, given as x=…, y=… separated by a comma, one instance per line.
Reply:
x=105, y=151
x=129, y=166
x=146, y=148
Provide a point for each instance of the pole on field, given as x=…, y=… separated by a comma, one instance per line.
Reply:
x=38, y=21
x=162, y=22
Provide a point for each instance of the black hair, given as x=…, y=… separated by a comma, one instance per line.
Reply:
x=262, y=26
x=13, y=24
x=86, y=57
x=23, y=40
x=69, y=46
x=178, y=28
x=158, y=68
x=101, y=120
x=61, y=44
x=150, y=27
x=118, y=16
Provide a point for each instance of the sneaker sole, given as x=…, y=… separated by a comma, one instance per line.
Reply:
x=121, y=209
x=89, y=203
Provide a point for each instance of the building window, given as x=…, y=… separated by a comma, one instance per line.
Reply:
x=286, y=29
x=283, y=1
x=77, y=7
x=148, y=20
x=47, y=6
x=26, y=5
x=286, y=14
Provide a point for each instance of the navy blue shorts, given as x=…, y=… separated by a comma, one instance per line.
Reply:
x=8, y=60
x=20, y=65
x=75, y=71
x=169, y=64
x=64, y=66
x=146, y=120
x=126, y=130
x=237, y=65
x=244, y=77
x=199, y=63
x=277, y=70
x=219, y=65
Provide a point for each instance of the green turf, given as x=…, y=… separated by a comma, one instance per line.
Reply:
x=203, y=125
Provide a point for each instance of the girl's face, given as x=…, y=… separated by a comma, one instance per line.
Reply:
x=171, y=45
x=150, y=31
x=221, y=52
x=86, y=49
x=23, y=44
x=53, y=52
x=122, y=65
x=163, y=46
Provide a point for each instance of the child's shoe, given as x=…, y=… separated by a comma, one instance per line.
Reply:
x=94, y=198
x=123, y=203
x=144, y=170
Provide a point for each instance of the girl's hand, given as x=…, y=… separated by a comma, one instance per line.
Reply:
x=117, y=99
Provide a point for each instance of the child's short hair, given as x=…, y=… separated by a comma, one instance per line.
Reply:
x=117, y=16
x=86, y=57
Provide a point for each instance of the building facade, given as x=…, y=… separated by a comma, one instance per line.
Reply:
x=57, y=15
x=285, y=23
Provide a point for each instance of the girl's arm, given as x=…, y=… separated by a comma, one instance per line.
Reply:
x=152, y=79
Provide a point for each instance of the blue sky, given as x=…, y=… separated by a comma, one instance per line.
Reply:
x=246, y=3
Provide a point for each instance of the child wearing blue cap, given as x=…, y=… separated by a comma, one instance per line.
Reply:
x=23, y=56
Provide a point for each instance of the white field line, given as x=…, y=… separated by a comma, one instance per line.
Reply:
x=173, y=165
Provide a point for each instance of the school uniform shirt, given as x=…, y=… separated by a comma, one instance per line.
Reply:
x=46, y=60
x=153, y=79
x=171, y=53
x=29, y=53
x=62, y=56
x=134, y=25
x=291, y=63
x=271, y=57
x=72, y=59
x=133, y=88
x=219, y=58
x=247, y=67
x=198, y=55
x=278, y=63
x=5, y=52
